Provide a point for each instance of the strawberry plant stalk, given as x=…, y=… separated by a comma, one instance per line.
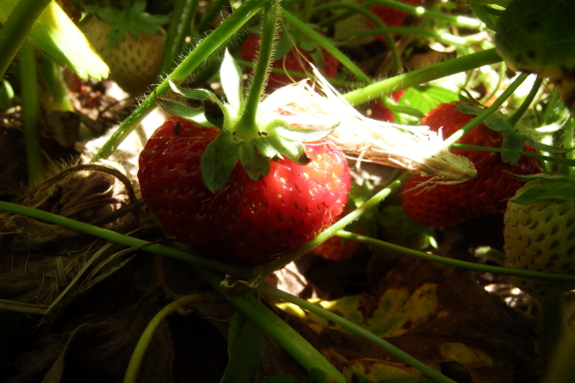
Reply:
x=325, y=44
x=15, y=30
x=487, y=111
x=289, y=339
x=358, y=331
x=343, y=222
x=515, y=117
x=422, y=12
x=423, y=75
x=52, y=80
x=370, y=16
x=131, y=375
x=226, y=30
x=31, y=111
x=179, y=27
x=246, y=126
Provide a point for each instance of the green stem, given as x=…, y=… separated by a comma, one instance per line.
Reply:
x=551, y=325
x=514, y=119
x=126, y=240
x=326, y=45
x=131, y=375
x=454, y=262
x=16, y=28
x=293, y=73
x=31, y=110
x=284, y=335
x=358, y=331
x=343, y=222
x=445, y=37
x=246, y=128
x=52, y=78
x=177, y=30
x=568, y=132
x=423, y=75
x=557, y=160
x=487, y=111
x=375, y=20
x=219, y=36
x=422, y=12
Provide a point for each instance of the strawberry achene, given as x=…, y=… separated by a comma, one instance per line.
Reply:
x=246, y=222
x=443, y=206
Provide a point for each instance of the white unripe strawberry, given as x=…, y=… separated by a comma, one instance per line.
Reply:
x=540, y=236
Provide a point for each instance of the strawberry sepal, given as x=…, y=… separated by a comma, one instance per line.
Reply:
x=218, y=161
x=560, y=189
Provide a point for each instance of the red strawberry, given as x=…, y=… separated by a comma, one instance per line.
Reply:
x=381, y=112
x=390, y=17
x=448, y=205
x=293, y=61
x=246, y=222
x=338, y=249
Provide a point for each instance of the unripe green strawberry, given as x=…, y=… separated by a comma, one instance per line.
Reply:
x=540, y=236
x=130, y=42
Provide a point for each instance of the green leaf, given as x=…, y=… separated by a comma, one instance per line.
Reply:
x=256, y=165
x=547, y=148
x=514, y=141
x=193, y=94
x=426, y=98
x=245, y=350
x=288, y=132
x=294, y=150
x=180, y=110
x=61, y=40
x=555, y=190
x=468, y=109
x=497, y=123
x=219, y=160
x=231, y=79
x=485, y=13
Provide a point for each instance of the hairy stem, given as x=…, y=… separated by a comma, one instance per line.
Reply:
x=246, y=128
x=227, y=29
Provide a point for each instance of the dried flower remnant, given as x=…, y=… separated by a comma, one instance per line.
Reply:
x=413, y=148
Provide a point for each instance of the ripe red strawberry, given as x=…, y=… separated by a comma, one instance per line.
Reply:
x=381, y=112
x=293, y=61
x=390, y=17
x=246, y=222
x=448, y=205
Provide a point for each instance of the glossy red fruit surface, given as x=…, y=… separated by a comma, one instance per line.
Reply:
x=246, y=222
x=448, y=205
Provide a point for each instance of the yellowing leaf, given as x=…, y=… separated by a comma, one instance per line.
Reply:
x=59, y=38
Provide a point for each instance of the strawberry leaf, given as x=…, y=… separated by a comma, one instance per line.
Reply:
x=219, y=160
x=256, y=165
x=284, y=130
x=514, y=141
x=184, y=111
x=422, y=99
x=547, y=148
x=294, y=150
x=231, y=79
x=555, y=190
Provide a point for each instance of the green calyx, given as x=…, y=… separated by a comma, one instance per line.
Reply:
x=127, y=17
x=546, y=187
x=270, y=138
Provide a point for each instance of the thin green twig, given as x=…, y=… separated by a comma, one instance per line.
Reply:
x=358, y=331
x=31, y=111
